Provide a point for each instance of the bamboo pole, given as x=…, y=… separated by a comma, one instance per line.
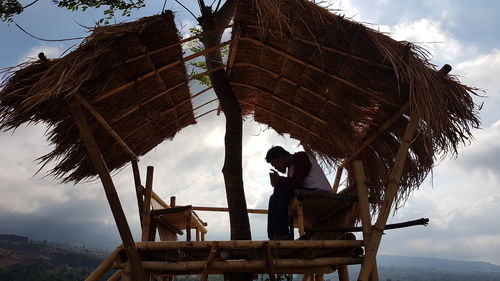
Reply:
x=116, y=276
x=172, y=201
x=317, y=69
x=390, y=193
x=362, y=191
x=343, y=273
x=422, y=221
x=188, y=216
x=110, y=191
x=146, y=215
x=158, y=199
x=138, y=188
x=281, y=265
x=367, y=142
x=223, y=209
x=104, y=266
x=106, y=126
x=242, y=244
x=211, y=257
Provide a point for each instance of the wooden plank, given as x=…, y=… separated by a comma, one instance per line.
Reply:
x=146, y=214
x=110, y=191
x=223, y=209
x=390, y=193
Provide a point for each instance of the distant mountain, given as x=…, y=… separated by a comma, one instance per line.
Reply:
x=438, y=264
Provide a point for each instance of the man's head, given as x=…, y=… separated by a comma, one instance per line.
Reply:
x=278, y=157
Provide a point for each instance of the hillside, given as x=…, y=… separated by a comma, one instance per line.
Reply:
x=22, y=259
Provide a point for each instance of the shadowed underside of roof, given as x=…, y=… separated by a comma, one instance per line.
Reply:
x=327, y=81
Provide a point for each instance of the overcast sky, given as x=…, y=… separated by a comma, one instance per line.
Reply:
x=462, y=199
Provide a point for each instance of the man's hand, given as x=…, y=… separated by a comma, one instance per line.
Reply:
x=275, y=178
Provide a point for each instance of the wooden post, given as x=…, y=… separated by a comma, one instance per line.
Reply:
x=390, y=193
x=366, y=220
x=138, y=188
x=188, y=225
x=202, y=236
x=343, y=273
x=110, y=191
x=146, y=216
x=172, y=201
x=197, y=235
x=269, y=260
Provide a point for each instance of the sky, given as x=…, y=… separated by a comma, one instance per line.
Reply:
x=461, y=197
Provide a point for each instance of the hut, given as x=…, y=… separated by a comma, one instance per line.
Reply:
x=353, y=96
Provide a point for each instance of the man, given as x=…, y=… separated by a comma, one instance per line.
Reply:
x=303, y=172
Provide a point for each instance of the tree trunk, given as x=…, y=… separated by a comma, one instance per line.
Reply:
x=232, y=170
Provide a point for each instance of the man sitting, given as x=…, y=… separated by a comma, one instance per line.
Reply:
x=303, y=172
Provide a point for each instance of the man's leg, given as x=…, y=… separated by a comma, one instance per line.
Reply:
x=277, y=224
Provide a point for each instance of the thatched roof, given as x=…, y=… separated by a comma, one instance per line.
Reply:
x=331, y=83
x=325, y=80
x=131, y=74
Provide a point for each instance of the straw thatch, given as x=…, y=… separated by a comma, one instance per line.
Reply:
x=331, y=83
x=132, y=74
x=325, y=80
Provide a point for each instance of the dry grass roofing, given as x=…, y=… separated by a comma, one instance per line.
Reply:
x=327, y=81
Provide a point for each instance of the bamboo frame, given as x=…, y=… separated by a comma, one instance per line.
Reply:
x=146, y=212
x=396, y=172
x=223, y=209
x=367, y=142
x=180, y=42
x=251, y=244
x=158, y=70
x=116, y=276
x=106, y=126
x=280, y=265
x=317, y=69
x=280, y=100
x=110, y=191
x=211, y=257
x=261, y=68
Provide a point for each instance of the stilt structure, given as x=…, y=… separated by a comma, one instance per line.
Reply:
x=355, y=98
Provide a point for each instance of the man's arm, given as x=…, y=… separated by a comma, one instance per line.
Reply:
x=301, y=168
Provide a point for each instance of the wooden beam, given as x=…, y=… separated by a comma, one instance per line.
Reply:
x=138, y=188
x=146, y=214
x=390, y=194
x=106, y=127
x=343, y=273
x=160, y=201
x=110, y=191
